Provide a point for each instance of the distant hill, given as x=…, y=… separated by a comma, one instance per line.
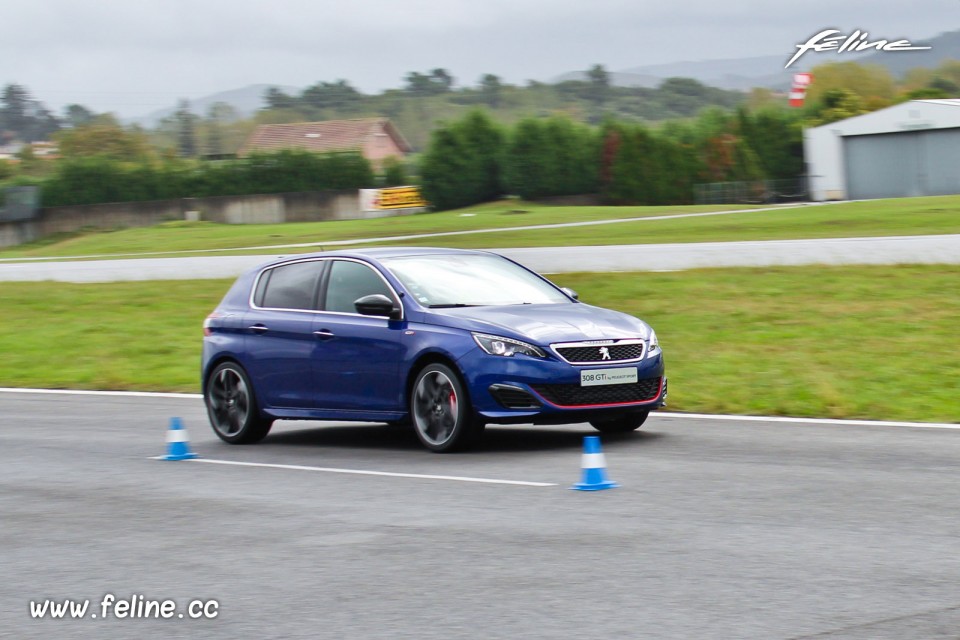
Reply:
x=739, y=74
x=767, y=71
x=617, y=78
x=945, y=46
x=246, y=101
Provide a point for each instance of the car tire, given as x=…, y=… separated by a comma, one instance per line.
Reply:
x=232, y=406
x=621, y=424
x=441, y=412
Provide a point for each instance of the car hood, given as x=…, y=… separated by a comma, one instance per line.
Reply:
x=543, y=323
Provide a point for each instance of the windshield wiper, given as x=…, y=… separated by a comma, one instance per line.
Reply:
x=453, y=305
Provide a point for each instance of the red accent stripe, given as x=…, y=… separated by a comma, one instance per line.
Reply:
x=600, y=406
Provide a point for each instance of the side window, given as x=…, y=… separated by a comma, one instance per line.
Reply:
x=350, y=281
x=292, y=286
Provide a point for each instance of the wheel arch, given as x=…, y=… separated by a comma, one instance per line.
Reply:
x=425, y=360
x=216, y=362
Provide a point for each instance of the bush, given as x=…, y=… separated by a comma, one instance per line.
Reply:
x=463, y=163
x=93, y=180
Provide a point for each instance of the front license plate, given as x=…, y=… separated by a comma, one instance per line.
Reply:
x=596, y=377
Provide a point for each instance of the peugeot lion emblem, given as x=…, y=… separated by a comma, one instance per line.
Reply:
x=604, y=353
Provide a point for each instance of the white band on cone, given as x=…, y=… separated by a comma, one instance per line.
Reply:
x=593, y=461
x=177, y=435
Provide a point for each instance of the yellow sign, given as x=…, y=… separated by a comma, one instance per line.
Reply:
x=399, y=198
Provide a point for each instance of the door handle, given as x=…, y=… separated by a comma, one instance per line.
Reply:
x=323, y=334
x=258, y=328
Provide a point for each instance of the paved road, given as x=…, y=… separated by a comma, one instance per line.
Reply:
x=651, y=257
x=721, y=529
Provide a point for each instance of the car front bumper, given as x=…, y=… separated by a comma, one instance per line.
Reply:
x=522, y=389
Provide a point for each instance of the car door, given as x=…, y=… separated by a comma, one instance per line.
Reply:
x=280, y=343
x=357, y=366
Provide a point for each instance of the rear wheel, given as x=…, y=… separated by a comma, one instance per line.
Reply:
x=621, y=424
x=232, y=406
x=440, y=410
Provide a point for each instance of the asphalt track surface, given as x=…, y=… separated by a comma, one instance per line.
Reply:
x=721, y=528
x=931, y=249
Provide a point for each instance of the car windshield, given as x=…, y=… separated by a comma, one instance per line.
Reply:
x=468, y=280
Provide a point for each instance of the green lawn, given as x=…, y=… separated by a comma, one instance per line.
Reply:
x=184, y=236
x=905, y=216
x=843, y=342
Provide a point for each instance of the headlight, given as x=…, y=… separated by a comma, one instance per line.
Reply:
x=654, y=347
x=500, y=346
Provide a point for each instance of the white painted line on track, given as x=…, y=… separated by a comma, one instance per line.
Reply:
x=658, y=414
x=829, y=421
x=83, y=392
x=419, y=236
x=360, y=472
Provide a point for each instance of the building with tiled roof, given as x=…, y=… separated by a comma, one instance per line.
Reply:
x=376, y=138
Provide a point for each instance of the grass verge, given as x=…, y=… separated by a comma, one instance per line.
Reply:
x=194, y=236
x=904, y=216
x=841, y=342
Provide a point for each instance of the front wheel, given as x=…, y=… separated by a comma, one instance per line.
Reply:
x=441, y=411
x=232, y=406
x=621, y=424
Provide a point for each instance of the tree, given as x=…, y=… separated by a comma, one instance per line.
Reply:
x=572, y=158
x=277, y=99
x=776, y=136
x=524, y=162
x=462, y=165
x=218, y=115
x=684, y=96
x=445, y=171
x=107, y=139
x=611, y=135
x=77, y=115
x=26, y=118
x=15, y=105
x=834, y=105
x=632, y=180
x=862, y=81
x=394, y=172
x=331, y=95
x=485, y=142
x=186, y=130
x=418, y=84
x=946, y=85
x=490, y=89
x=599, y=81
x=442, y=79
x=436, y=82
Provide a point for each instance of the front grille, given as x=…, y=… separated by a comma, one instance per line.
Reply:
x=573, y=395
x=513, y=397
x=579, y=353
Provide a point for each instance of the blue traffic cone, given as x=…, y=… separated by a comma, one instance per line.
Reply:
x=594, y=467
x=178, y=442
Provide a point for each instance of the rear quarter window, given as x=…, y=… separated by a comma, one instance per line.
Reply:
x=289, y=286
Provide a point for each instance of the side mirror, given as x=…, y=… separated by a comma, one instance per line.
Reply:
x=377, y=304
x=570, y=292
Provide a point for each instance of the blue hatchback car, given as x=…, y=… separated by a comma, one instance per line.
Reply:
x=446, y=340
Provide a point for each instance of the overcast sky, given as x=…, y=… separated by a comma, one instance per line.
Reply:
x=135, y=56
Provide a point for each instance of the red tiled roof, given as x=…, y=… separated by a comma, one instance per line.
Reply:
x=320, y=137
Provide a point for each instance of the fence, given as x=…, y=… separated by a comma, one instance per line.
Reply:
x=257, y=209
x=20, y=204
x=752, y=192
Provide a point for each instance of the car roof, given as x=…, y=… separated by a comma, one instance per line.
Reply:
x=377, y=253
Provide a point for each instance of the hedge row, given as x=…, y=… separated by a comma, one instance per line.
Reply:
x=93, y=180
x=474, y=160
